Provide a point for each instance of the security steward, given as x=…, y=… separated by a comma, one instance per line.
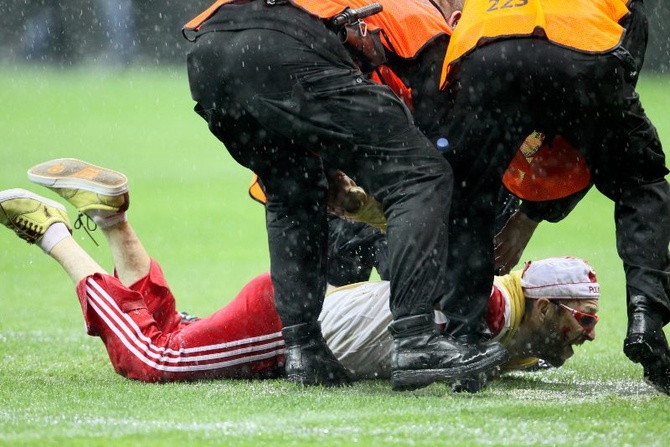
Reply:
x=561, y=68
x=283, y=85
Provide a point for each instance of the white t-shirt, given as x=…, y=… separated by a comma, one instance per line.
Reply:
x=355, y=319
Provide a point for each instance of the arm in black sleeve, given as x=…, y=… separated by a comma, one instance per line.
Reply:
x=552, y=210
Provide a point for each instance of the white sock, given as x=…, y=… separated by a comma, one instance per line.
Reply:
x=105, y=219
x=54, y=234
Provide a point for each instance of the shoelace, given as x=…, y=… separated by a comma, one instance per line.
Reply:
x=26, y=229
x=89, y=227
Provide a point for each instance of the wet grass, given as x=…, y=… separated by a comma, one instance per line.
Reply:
x=191, y=209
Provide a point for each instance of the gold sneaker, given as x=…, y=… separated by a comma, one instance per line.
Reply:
x=29, y=215
x=87, y=187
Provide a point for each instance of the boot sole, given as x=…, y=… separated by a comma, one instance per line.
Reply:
x=640, y=350
x=313, y=381
x=658, y=384
x=408, y=380
x=70, y=173
x=637, y=350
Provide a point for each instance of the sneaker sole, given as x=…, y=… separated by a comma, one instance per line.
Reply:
x=18, y=193
x=408, y=380
x=76, y=174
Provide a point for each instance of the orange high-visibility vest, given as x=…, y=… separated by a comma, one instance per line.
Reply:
x=407, y=25
x=585, y=25
x=541, y=171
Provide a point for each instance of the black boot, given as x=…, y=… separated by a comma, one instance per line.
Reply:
x=309, y=360
x=646, y=344
x=421, y=356
x=476, y=383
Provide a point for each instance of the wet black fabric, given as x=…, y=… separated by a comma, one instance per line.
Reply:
x=422, y=75
x=637, y=33
x=502, y=92
x=354, y=249
x=553, y=210
x=285, y=98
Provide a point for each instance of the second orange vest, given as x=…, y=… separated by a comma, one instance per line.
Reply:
x=585, y=25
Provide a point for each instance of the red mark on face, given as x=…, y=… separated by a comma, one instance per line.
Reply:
x=565, y=331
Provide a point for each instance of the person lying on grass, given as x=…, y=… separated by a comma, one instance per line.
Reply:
x=541, y=311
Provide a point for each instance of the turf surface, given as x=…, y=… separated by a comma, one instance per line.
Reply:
x=190, y=207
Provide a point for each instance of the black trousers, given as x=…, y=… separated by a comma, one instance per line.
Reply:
x=503, y=91
x=637, y=33
x=284, y=102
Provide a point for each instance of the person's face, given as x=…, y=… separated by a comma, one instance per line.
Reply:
x=560, y=329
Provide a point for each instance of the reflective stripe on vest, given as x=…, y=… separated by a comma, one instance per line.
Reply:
x=408, y=25
x=584, y=25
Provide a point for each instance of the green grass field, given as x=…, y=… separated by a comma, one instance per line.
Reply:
x=190, y=206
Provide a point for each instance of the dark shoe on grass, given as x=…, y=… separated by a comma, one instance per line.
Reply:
x=309, y=361
x=645, y=343
x=421, y=356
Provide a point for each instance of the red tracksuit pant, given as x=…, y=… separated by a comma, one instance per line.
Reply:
x=147, y=341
